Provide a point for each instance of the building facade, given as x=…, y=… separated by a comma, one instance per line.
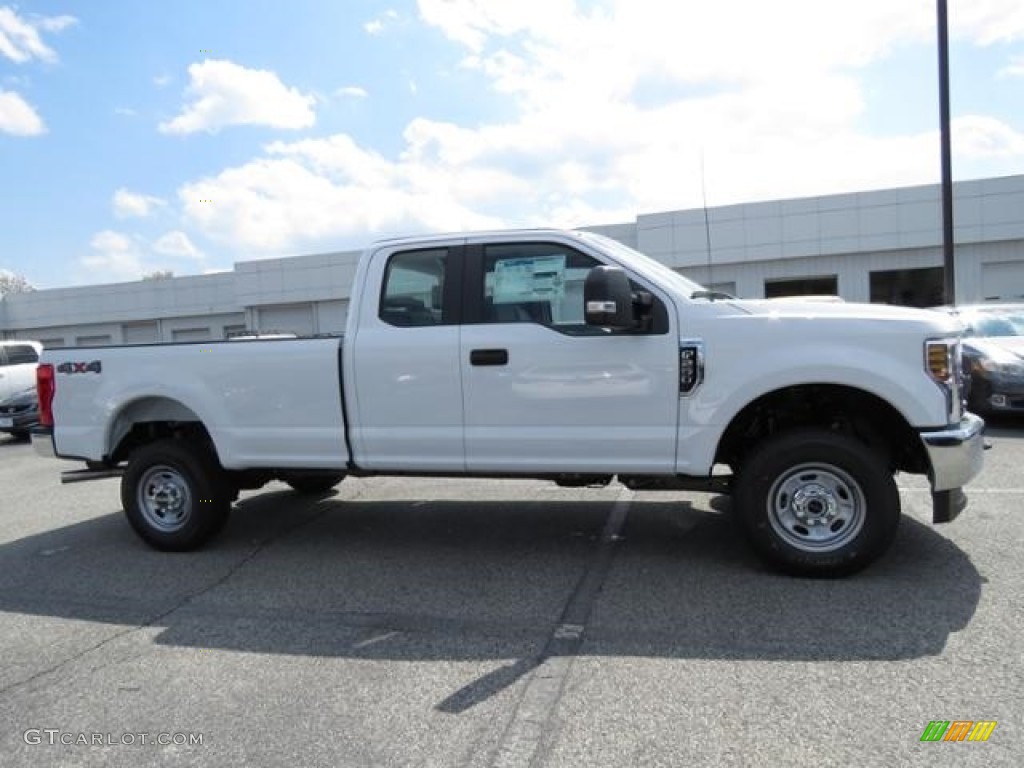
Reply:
x=880, y=246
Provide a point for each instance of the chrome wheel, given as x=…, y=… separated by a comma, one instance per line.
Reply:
x=164, y=498
x=816, y=507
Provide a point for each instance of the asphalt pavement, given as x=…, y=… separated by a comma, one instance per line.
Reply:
x=409, y=622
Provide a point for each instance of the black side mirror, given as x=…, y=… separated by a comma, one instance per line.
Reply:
x=608, y=299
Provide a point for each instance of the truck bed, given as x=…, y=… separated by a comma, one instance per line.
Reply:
x=265, y=403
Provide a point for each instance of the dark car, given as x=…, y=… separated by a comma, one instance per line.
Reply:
x=19, y=413
x=993, y=356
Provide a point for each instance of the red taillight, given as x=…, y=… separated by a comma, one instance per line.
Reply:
x=46, y=387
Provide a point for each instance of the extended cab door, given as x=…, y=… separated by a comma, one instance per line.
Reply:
x=546, y=392
x=406, y=407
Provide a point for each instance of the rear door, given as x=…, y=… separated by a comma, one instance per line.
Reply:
x=408, y=385
x=544, y=391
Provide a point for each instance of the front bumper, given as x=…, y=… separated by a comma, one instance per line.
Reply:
x=955, y=455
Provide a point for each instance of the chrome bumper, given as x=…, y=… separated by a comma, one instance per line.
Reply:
x=955, y=455
x=42, y=442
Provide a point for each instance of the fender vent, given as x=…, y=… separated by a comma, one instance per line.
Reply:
x=691, y=366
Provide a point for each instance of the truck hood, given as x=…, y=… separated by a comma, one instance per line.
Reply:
x=805, y=309
x=828, y=319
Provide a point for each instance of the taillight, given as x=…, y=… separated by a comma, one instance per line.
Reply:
x=46, y=387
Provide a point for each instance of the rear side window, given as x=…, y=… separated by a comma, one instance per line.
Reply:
x=413, y=292
x=20, y=354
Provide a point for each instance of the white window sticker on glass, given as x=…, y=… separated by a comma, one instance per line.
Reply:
x=529, y=279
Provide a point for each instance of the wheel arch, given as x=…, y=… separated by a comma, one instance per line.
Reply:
x=842, y=408
x=147, y=419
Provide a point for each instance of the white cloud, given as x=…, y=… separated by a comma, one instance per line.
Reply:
x=161, y=81
x=978, y=136
x=223, y=93
x=19, y=37
x=1014, y=69
x=988, y=21
x=325, y=190
x=176, y=244
x=18, y=117
x=118, y=256
x=615, y=119
x=134, y=205
x=352, y=91
x=380, y=23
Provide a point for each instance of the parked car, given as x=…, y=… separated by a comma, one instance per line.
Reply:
x=19, y=413
x=993, y=352
x=18, y=360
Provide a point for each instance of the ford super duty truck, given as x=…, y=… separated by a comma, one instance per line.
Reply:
x=540, y=354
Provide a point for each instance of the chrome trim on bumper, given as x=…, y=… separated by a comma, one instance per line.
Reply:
x=955, y=453
x=42, y=442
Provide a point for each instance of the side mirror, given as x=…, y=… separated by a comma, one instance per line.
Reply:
x=608, y=299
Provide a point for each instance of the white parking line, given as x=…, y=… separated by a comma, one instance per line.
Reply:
x=970, y=490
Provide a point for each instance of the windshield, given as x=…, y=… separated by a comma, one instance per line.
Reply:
x=995, y=322
x=682, y=284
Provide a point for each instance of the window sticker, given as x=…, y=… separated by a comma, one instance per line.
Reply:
x=539, y=278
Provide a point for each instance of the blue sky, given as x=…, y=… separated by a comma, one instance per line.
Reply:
x=138, y=136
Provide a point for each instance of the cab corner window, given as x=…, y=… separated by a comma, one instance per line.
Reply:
x=413, y=293
x=20, y=354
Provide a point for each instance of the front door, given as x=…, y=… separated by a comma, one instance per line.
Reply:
x=543, y=391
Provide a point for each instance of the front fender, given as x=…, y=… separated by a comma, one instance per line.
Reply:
x=733, y=381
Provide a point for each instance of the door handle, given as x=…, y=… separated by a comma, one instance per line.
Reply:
x=488, y=357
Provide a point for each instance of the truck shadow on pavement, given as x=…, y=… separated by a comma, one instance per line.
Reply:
x=490, y=580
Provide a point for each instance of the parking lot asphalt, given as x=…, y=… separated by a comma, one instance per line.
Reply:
x=408, y=622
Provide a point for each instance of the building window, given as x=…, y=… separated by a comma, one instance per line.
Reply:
x=190, y=334
x=827, y=285
x=93, y=341
x=907, y=287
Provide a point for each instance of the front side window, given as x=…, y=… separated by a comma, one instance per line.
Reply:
x=543, y=283
x=413, y=292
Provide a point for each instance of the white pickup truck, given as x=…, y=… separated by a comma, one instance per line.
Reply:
x=540, y=354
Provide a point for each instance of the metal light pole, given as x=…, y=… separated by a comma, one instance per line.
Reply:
x=948, y=264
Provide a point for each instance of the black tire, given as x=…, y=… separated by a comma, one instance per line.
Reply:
x=817, y=503
x=313, y=483
x=174, y=495
x=20, y=435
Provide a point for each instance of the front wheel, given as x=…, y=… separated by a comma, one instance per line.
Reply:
x=174, y=495
x=817, y=503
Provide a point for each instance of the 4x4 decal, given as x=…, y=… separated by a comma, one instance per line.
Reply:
x=93, y=367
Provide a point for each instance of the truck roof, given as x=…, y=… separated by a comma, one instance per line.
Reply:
x=475, y=234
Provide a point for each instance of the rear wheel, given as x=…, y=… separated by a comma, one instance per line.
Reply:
x=313, y=483
x=817, y=503
x=174, y=495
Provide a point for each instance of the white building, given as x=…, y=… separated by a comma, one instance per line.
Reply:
x=881, y=246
